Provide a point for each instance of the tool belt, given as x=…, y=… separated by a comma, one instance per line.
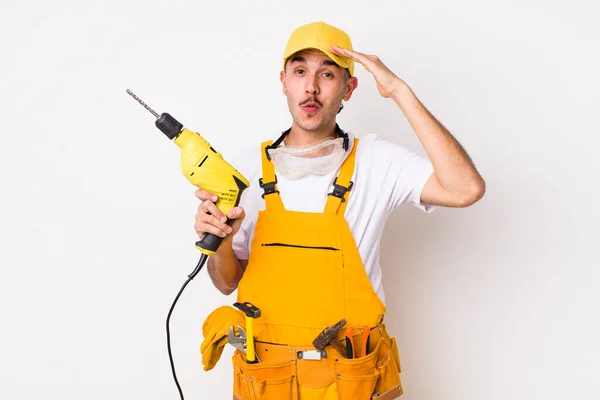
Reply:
x=293, y=373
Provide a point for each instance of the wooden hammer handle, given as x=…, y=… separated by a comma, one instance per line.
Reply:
x=338, y=347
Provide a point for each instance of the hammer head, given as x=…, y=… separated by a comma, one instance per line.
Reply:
x=327, y=335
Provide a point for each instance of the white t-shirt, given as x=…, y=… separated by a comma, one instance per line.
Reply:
x=385, y=176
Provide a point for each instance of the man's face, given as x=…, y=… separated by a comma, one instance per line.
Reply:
x=315, y=87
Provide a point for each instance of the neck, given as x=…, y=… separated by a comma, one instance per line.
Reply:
x=301, y=137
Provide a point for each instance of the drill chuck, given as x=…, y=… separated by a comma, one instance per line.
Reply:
x=165, y=122
x=169, y=125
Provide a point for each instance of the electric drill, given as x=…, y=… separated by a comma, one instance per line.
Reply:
x=205, y=168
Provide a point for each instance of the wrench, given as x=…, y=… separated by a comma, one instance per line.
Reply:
x=238, y=341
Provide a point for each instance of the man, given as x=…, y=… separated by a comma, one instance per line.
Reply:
x=303, y=246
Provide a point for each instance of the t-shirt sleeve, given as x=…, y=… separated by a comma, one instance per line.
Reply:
x=405, y=172
x=240, y=244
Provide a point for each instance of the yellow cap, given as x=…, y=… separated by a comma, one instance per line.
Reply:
x=320, y=36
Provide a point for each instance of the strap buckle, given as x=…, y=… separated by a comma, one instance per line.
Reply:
x=268, y=187
x=339, y=190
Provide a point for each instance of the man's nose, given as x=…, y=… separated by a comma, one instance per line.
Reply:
x=312, y=85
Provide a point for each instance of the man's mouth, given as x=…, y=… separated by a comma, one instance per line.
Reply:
x=310, y=107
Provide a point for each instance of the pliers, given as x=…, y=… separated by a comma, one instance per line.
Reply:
x=351, y=350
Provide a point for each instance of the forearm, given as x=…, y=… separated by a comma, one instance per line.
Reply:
x=224, y=269
x=453, y=167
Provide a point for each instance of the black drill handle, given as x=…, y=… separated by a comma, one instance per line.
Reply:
x=212, y=242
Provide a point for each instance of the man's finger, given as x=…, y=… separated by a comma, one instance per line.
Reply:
x=356, y=56
x=235, y=212
x=210, y=219
x=210, y=207
x=204, y=195
x=204, y=228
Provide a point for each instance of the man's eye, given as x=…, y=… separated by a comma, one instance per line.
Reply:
x=328, y=74
x=299, y=71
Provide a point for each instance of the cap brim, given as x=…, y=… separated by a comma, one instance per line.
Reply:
x=336, y=59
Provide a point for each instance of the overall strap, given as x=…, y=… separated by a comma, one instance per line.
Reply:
x=269, y=181
x=338, y=199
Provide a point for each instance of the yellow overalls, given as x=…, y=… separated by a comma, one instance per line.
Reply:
x=305, y=274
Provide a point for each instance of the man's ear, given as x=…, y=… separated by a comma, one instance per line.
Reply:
x=282, y=79
x=351, y=85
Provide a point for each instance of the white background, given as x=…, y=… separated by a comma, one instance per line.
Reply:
x=496, y=301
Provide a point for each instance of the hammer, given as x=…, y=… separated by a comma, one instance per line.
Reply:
x=251, y=312
x=327, y=336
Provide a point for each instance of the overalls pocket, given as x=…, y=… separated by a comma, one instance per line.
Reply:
x=264, y=380
x=303, y=269
x=357, y=377
x=241, y=389
x=275, y=389
x=389, y=385
x=356, y=387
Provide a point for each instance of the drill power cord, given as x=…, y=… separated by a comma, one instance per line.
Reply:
x=194, y=147
x=191, y=276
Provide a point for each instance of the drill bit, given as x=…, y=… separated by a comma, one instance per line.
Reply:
x=142, y=103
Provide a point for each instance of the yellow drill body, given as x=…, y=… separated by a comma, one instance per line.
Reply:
x=206, y=169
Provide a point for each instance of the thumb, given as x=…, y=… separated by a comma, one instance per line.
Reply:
x=237, y=214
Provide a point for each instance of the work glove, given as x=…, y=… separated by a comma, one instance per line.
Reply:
x=215, y=330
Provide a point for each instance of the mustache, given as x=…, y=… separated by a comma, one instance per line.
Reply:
x=312, y=100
